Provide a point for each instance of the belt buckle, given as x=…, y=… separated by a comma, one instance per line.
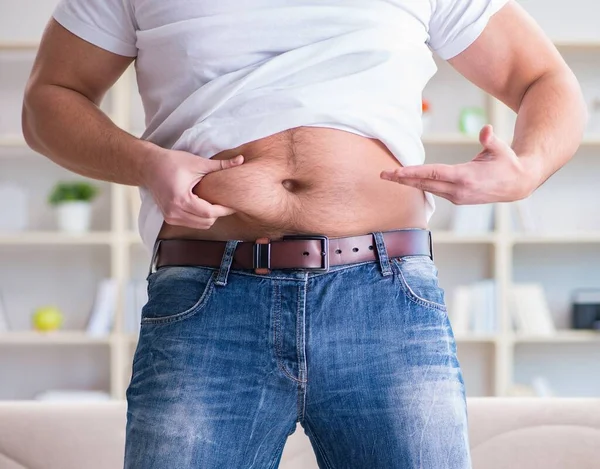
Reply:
x=261, y=256
x=324, y=267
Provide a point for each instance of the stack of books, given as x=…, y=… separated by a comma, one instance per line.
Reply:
x=473, y=309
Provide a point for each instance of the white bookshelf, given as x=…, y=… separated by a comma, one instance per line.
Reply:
x=43, y=262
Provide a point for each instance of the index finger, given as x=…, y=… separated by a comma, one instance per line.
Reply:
x=436, y=172
x=198, y=205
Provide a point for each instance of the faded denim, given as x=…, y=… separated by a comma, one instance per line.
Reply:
x=363, y=356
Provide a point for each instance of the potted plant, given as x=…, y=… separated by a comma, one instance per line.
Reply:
x=73, y=205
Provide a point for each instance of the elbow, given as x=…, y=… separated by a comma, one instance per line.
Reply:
x=28, y=121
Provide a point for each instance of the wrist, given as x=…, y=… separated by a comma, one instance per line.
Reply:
x=150, y=157
x=532, y=172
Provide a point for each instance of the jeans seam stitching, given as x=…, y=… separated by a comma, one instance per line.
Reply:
x=190, y=312
x=411, y=295
x=299, y=346
x=280, y=364
x=275, y=458
x=318, y=444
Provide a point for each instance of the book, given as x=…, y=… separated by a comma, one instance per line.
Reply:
x=483, y=306
x=101, y=318
x=473, y=219
x=473, y=308
x=541, y=387
x=529, y=309
x=460, y=310
x=136, y=296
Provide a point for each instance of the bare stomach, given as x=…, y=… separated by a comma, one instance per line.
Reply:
x=307, y=180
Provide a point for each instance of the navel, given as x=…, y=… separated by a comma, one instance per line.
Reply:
x=291, y=185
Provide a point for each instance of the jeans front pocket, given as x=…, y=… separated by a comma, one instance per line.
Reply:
x=177, y=293
x=418, y=277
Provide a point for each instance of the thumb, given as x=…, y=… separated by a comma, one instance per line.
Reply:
x=217, y=165
x=490, y=141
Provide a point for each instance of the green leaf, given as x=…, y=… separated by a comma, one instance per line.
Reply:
x=75, y=191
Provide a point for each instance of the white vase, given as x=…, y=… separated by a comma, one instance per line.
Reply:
x=74, y=217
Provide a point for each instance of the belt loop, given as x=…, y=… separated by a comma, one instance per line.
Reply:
x=226, y=261
x=382, y=254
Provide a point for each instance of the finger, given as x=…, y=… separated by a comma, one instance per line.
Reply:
x=205, y=209
x=429, y=185
x=190, y=220
x=436, y=172
x=491, y=142
x=210, y=166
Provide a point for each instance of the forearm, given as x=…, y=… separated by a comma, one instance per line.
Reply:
x=550, y=125
x=72, y=131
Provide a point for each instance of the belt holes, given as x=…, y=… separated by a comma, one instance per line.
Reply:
x=305, y=253
x=338, y=251
x=354, y=249
x=370, y=248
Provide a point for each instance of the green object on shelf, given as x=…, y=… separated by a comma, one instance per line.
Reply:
x=78, y=191
x=471, y=121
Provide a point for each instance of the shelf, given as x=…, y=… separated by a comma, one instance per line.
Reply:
x=570, y=44
x=460, y=139
x=559, y=43
x=562, y=336
x=55, y=238
x=12, y=141
x=477, y=338
x=591, y=140
x=566, y=238
x=448, y=237
x=449, y=139
x=51, y=338
x=18, y=46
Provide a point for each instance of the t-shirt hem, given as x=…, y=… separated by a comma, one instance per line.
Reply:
x=94, y=36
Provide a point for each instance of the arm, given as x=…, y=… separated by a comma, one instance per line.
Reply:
x=62, y=120
x=514, y=61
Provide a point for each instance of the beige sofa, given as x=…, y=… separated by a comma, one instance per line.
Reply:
x=505, y=434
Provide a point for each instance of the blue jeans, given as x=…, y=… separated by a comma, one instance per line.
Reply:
x=363, y=356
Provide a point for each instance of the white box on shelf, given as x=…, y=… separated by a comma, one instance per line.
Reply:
x=103, y=311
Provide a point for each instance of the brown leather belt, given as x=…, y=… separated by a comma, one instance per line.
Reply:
x=307, y=252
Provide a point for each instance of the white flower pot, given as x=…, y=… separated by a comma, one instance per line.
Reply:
x=74, y=217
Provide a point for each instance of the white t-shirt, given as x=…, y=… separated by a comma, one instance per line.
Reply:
x=215, y=74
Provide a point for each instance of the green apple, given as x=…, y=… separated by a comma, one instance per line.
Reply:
x=47, y=318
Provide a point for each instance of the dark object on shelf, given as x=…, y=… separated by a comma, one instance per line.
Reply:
x=586, y=309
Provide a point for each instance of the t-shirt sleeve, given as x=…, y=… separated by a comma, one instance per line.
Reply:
x=456, y=24
x=109, y=24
